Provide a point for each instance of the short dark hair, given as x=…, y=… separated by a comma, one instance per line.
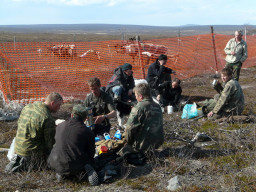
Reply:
x=127, y=66
x=142, y=89
x=176, y=80
x=162, y=57
x=227, y=71
x=94, y=81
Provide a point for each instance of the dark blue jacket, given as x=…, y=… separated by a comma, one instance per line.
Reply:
x=120, y=79
x=74, y=147
x=157, y=74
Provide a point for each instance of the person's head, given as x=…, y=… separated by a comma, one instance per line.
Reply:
x=94, y=85
x=142, y=91
x=127, y=69
x=175, y=83
x=226, y=74
x=54, y=101
x=238, y=35
x=162, y=59
x=80, y=111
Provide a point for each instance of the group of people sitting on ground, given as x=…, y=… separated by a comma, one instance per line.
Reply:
x=69, y=148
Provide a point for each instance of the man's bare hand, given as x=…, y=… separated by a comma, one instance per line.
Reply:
x=210, y=114
x=233, y=53
x=99, y=119
x=158, y=97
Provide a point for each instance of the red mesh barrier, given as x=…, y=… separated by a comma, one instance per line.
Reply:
x=29, y=71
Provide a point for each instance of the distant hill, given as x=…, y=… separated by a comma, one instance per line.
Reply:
x=115, y=29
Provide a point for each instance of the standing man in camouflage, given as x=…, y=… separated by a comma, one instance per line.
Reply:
x=236, y=51
x=229, y=101
x=102, y=106
x=144, y=128
x=35, y=135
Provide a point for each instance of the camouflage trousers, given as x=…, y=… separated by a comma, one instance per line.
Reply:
x=236, y=68
x=209, y=104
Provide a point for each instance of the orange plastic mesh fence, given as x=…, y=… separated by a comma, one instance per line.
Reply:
x=30, y=71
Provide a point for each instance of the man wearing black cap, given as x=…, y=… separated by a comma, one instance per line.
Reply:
x=74, y=149
x=158, y=74
x=122, y=83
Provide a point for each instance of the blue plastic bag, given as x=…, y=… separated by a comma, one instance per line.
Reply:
x=189, y=111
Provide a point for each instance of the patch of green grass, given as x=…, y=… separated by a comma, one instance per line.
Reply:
x=236, y=126
x=208, y=126
x=195, y=188
x=246, y=183
x=76, y=186
x=172, y=144
x=234, y=161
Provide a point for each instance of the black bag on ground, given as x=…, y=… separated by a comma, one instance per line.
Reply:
x=133, y=158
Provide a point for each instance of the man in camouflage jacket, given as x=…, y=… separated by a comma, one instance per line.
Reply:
x=229, y=101
x=144, y=128
x=35, y=134
x=236, y=51
x=102, y=106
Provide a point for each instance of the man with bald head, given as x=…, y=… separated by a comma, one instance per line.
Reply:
x=236, y=51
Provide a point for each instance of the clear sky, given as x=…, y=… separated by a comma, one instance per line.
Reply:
x=137, y=12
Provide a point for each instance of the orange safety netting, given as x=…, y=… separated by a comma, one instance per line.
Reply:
x=29, y=71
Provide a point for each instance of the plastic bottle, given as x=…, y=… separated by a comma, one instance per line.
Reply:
x=90, y=118
x=97, y=139
x=118, y=135
x=103, y=149
x=107, y=136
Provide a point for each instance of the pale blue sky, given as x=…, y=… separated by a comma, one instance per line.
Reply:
x=138, y=12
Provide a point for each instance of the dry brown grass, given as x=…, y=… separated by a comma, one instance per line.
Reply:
x=228, y=164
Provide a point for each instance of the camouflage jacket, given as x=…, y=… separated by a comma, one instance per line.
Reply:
x=101, y=105
x=144, y=128
x=36, y=130
x=240, y=50
x=231, y=98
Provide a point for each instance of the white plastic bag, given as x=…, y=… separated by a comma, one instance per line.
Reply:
x=10, y=153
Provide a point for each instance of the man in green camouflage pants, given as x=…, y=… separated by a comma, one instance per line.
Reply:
x=229, y=101
x=144, y=127
x=35, y=135
x=236, y=53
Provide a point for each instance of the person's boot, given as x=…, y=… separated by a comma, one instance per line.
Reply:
x=92, y=175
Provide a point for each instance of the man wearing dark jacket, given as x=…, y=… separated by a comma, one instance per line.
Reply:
x=122, y=83
x=74, y=149
x=158, y=74
x=170, y=93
